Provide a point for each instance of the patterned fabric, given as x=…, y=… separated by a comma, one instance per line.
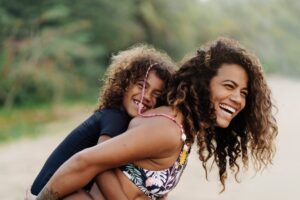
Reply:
x=155, y=184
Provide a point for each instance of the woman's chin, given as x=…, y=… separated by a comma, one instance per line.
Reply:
x=222, y=123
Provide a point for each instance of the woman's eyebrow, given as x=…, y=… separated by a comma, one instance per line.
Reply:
x=231, y=81
x=235, y=84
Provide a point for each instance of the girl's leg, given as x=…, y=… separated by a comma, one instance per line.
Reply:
x=109, y=185
x=96, y=193
x=83, y=195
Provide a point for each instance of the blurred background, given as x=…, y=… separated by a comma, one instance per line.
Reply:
x=53, y=54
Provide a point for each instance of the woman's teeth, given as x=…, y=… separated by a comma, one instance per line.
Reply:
x=228, y=109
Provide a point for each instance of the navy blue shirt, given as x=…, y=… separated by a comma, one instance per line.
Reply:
x=108, y=121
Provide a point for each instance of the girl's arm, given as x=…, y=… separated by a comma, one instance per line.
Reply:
x=138, y=143
x=107, y=121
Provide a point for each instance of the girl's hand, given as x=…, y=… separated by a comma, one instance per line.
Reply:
x=29, y=196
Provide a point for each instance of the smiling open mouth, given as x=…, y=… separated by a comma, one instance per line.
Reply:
x=228, y=109
x=144, y=107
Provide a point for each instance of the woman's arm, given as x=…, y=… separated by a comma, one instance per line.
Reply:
x=107, y=187
x=107, y=182
x=138, y=143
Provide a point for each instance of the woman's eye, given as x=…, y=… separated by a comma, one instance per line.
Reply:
x=244, y=94
x=228, y=86
x=157, y=94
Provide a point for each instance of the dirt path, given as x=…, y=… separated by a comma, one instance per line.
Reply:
x=20, y=161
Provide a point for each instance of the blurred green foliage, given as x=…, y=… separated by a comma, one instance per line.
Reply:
x=34, y=120
x=16, y=123
x=51, y=50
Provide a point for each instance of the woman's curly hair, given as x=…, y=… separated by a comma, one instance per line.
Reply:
x=130, y=66
x=251, y=132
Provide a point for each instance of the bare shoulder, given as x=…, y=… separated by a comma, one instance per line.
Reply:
x=158, y=127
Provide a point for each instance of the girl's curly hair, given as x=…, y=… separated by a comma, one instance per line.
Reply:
x=130, y=66
x=251, y=132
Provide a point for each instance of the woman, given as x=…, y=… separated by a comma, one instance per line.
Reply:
x=119, y=100
x=219, y=98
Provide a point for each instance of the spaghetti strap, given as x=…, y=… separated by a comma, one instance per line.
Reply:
x=183, y=135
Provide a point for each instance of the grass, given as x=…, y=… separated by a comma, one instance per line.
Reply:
x=29, y=121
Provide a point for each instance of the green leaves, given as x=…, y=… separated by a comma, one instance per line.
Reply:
x=72, y=41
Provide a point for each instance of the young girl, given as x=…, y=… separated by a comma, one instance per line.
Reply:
x=119, y=99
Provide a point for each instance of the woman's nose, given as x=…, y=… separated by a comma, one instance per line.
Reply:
x=236, y=97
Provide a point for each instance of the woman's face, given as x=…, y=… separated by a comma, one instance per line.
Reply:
x=132, y=97
x=228, y=92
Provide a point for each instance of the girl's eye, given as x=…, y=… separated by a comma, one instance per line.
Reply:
x=140, y=84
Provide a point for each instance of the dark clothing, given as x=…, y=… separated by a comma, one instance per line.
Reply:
x=108, y=121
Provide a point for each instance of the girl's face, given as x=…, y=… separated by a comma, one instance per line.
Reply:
x=228, y=92
x=132, y=97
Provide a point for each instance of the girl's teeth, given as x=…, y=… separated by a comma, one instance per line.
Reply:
x=138, y=103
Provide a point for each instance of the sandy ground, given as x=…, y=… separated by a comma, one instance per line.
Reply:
x=21, y=161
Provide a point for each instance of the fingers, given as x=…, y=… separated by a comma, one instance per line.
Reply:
x=28, y=195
